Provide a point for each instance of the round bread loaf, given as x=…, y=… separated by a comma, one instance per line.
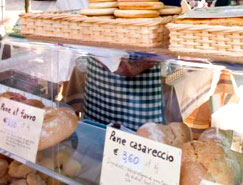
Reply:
x=34, y=103
x=95, y=12
x=223, y=138
x=13, y=96
x=174, y=134
x=136, y=13
x=170, y=10
x=208, y=161
x=103, y=5
x=140, y=5
x=59, y=124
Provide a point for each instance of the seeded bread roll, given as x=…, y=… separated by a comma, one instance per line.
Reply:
x=208, y=161
x=59, y=124
x=174, y=134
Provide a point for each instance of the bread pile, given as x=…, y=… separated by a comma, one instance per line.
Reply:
x=208, y=158
x=59, y=123
x=15, y=173
x=100, y=8
x=138, y=8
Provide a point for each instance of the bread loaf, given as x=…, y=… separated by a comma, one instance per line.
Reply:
x=34, y=103
x=3, y=167
x=19, y=182
x=59, y=124
x=34, y=179
x=174, y=134
x=13, y=96
x=208, y=161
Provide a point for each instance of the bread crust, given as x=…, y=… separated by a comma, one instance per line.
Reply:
x=103, y=5
x=136, y=13
x=140, y=5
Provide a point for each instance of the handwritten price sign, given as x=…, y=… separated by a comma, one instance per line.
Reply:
x=131, y=160
x=20, y=127
x=138, y=161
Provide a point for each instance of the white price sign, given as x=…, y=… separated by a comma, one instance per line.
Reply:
x=20, y=128
x=130, y=159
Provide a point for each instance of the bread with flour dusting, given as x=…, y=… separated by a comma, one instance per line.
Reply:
x=59, y=124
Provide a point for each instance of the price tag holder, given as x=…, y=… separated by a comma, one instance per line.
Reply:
x=130, y=159
x=20, y=128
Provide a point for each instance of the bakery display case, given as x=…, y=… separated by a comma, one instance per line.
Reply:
x=187, y=103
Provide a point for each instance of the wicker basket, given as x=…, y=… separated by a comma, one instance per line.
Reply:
x=143, y=32
x=206, y=39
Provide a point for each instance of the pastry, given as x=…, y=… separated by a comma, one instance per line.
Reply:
x=136, y=13
x=61, y=158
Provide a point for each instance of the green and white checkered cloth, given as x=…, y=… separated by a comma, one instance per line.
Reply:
x=130, y=101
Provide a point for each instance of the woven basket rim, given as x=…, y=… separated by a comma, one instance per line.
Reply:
x=206, y=27
x=81, y=18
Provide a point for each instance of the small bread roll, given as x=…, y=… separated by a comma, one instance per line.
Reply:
x=19, y=170
x=61, y=158
x=59, y=124
x=34, y=103
x=52, y=181
x=34, y=179
x=48, y=163
x=5, y=180
x=103, y=5
x=13, y=96
x=136, y=13
x=3, y=167
x=140, y=5
x=96, y=12
x=19, y=182
x=170, y=10
x=71, y=167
